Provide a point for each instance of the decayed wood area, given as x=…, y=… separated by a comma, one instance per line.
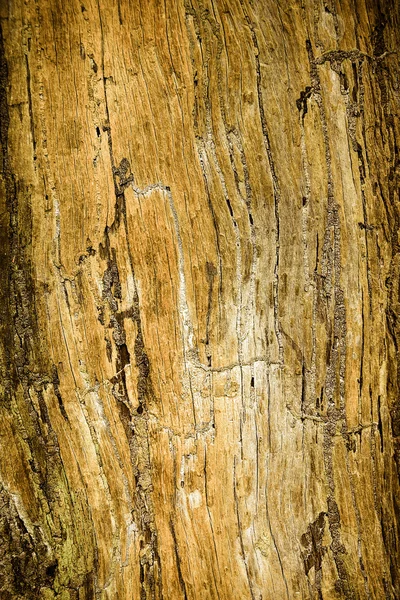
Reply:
x=199, y=300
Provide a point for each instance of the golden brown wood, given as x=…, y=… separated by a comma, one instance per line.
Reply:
x=199, y=300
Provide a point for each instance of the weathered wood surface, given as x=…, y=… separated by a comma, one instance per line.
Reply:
x=199, y=300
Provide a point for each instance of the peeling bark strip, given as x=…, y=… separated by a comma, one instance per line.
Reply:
x=200, y=335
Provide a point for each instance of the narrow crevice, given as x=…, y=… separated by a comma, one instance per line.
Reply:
x=28, y=87
x=240, y=532
x=336, y=362
x=178, y=560
x=275, y=182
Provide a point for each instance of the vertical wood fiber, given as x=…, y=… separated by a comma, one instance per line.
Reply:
x=199, y=300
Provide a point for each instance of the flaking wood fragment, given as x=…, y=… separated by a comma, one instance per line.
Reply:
x=199, y=300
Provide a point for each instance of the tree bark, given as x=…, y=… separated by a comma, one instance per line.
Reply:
x=200, y=328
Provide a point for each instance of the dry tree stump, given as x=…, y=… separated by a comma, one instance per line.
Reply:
x=199, y=300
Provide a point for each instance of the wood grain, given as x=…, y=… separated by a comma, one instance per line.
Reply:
x=199, y=300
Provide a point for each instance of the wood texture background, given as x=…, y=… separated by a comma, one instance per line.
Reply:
x=199, y=300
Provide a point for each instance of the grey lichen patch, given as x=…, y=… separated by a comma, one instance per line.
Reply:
x=26, y=564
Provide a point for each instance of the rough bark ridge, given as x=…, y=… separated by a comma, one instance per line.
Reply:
x=200, y=335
